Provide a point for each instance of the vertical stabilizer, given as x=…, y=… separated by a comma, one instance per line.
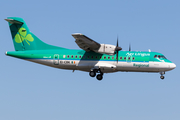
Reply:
x=23, y=39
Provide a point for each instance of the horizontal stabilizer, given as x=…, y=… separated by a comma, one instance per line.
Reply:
x=13, y=21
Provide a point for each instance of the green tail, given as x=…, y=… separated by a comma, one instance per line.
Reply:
x=23, y=39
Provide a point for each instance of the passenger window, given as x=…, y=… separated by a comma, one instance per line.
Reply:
x=120, y=58
x=92, y=57
x=71, y=56
x=133, y=58
x=155, y=56
x=88, y=57
x=159, y=56
x=124, y=58
x=100, y=57
x=80, y=56
x=112, y=57
x=76, y=56
x=84, y=56
x=67, y=56
x=96, y=57
x=104, y=57
x=108, y=57
x=129, y=58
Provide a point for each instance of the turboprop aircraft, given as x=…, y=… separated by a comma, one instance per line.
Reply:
x=93, y=58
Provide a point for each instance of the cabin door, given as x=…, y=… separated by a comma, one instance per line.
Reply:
x=129, y=59
x=56, y=59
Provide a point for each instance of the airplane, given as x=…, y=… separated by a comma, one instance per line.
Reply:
x=94, y=58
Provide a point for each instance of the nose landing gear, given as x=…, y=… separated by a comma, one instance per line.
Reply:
x=162, y=73
x=93, y=74
x=162, y=77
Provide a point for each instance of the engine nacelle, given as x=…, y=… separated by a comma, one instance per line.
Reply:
x=106, y=49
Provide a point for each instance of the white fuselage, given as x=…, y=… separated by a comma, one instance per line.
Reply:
x=106, y=66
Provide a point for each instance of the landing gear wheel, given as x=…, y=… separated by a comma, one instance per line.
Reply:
x=162, y=77
x=99, y=77
x=92, y=73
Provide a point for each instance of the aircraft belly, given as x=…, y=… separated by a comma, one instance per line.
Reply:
x=105, y=66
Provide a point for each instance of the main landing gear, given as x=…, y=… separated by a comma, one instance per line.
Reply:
x=93, y=74
x=162, y=73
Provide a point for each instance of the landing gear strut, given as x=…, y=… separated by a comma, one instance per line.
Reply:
x=93, y=74
x=162, y=73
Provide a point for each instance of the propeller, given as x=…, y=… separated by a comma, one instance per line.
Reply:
x=117, y=49
x=129, y=46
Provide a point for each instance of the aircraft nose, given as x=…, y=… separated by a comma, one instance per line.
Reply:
x=172, y=66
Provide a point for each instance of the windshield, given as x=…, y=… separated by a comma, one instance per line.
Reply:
x=160, y=56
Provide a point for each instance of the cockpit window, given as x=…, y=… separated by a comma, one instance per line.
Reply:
x=163, y=56
x=160, y=56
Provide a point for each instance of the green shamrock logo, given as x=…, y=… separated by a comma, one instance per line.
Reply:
x=23, y=36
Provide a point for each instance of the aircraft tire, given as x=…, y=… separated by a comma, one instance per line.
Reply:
x=99, y=77
x=162, y=77
x=92, y=73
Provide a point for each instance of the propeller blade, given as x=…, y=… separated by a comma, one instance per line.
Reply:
x=117, y=46
x=129, y=47
x=117, y=49
x=117, y=43
x=117, y=56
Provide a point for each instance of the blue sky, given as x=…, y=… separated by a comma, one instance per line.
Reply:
x=29, y=91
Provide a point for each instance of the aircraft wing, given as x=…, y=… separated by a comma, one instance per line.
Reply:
x=86, y=43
